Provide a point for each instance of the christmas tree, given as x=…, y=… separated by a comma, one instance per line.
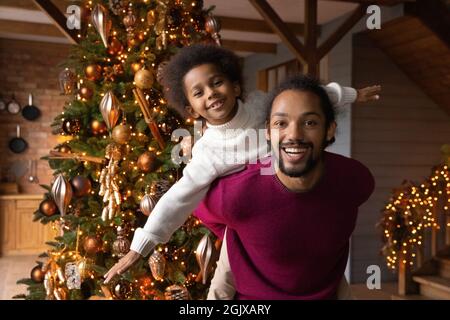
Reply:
x=117, y=159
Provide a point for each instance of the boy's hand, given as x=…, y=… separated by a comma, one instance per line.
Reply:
x=368, y=94
x=123, y=265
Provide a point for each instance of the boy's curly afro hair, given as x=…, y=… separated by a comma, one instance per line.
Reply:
x=190, y=57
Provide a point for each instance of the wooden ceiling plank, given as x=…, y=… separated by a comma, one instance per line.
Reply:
x=58, y=18
x=29, y=28
x=254, y=25
x=280, y=28
x=342, y=30
x=248, y=46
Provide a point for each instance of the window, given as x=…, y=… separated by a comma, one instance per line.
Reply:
x=269, y=78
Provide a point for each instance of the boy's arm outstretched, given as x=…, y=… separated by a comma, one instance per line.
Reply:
x=172, y=209
x=340, y=96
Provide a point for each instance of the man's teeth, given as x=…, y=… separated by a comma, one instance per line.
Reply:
x=294, y=150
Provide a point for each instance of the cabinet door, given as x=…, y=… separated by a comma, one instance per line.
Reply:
x=31, y=235
x=7, y=226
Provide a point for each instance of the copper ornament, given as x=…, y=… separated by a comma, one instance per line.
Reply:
x=62, y=193
x=110, y=109
x=203, y=253
x=101, y=22
x=143, y=79
x=157, y=263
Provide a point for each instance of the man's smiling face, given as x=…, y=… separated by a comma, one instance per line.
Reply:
x=303, y=133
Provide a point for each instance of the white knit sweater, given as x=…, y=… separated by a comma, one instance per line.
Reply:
x=211, y=157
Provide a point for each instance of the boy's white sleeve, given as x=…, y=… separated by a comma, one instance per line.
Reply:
x=175, y=206
x=340, y=96
x=222, y=284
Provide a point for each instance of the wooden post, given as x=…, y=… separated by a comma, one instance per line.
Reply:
x=312, y=63
x=447, y=230
x=405, y=282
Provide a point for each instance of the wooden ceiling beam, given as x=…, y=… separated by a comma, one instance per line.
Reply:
x=247, y=46
x=59, y=19
x=280, y=28
x=254, y=25
x=341, y=31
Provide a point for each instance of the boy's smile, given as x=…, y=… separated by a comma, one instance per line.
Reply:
x=211, y=94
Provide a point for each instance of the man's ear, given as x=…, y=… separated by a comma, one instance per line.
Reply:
x=237, y=89
x=191, y=112
x=331, y=131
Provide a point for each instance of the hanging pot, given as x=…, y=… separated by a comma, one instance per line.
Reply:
x=31, y=112
x=18, y=145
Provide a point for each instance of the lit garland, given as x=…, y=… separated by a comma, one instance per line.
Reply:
x=410, y=211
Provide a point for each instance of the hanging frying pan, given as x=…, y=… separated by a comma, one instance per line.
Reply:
x=18, y=145
x=31, y=112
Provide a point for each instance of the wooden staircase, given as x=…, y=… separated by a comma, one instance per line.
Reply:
x=431, y=282
x=419, y=43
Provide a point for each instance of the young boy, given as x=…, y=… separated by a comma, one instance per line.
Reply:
x=206, y=82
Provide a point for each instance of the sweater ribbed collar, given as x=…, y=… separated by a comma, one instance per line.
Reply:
x=239, y=121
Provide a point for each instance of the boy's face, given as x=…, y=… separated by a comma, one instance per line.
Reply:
x=211, y=94
x=302, y=131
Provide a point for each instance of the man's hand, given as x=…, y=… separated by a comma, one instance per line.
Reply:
x=368, y=94
x=123, y=265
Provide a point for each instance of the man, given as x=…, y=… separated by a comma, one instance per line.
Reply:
x=287, y=234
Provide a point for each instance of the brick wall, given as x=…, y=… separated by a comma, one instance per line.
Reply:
x=30, y=67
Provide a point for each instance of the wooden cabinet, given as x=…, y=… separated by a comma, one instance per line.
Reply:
x=19, y=234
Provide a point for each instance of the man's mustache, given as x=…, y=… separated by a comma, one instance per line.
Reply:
x=296, y=143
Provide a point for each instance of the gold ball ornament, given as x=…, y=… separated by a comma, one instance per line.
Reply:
x=93, y=72
x=147, y=204
x=91, y=244
x=37, y=275
x=98, y=127
x=122, y=289
x=81, y=186
x=143, y=79
x=147, y=161
x=121, y=133
x=86, y=93
x=48, y=207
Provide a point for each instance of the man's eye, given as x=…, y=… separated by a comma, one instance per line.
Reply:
x=310, y=123
x=279, y=123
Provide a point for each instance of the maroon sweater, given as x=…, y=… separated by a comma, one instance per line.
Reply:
x=282, y=244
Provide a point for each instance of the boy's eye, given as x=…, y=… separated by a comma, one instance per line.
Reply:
x=218, y=82
x=197, y=94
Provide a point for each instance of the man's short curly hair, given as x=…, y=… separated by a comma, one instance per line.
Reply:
x=190, y=57
x=307, y=84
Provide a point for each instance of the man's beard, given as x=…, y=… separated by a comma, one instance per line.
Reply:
x=310, y=164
